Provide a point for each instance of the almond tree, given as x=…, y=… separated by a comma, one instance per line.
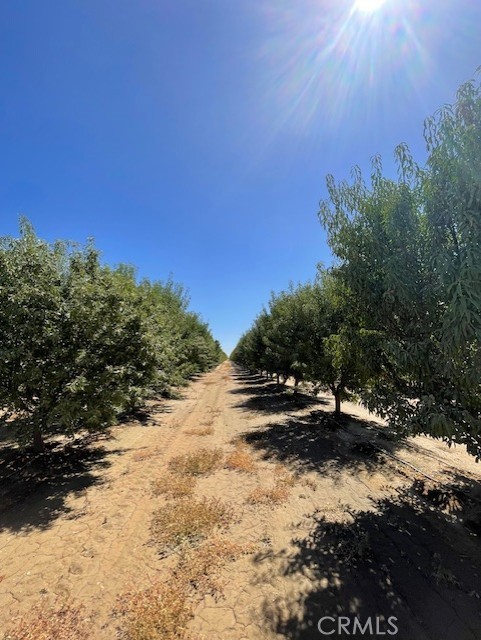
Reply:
x=81, y=342
x=72, y=345
x=409, y=252
x=339, y=357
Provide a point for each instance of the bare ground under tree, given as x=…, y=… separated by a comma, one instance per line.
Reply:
x=359, y=529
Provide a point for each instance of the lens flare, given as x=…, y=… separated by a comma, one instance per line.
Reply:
x=327, y=61
x=368, y=6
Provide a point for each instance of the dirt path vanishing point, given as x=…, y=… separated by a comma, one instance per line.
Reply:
x=361, y=529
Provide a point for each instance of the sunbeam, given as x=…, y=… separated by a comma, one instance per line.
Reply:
x=369, y=6
x=331, y=60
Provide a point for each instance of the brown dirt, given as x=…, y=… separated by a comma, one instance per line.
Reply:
x=358, y=533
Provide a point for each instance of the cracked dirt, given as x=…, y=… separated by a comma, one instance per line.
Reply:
x=359, y=533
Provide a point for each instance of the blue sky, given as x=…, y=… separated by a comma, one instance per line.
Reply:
x=193, y=137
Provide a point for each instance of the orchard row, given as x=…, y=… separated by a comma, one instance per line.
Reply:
x=82, y=343
x=396, y=320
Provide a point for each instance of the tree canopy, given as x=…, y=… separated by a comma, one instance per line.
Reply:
x=81, y=342
x=398, y=316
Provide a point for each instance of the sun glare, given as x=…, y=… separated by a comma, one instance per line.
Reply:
x=344, y=63
x=369, y=6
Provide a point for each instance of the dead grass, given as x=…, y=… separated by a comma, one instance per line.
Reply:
x=240, y=441
x=141, y=455
x=283, y=477
x=187, y=522
x=241, y=460
x=206, y=430
x=160, y=612
x=284, y=480
x=201, y=462
x=308, y=482
x=163, y=611
x=66, y=622
x=348, y=542
x=443, y=575
x=199, y=567
x=173, y=485
x=212, y=414
x=274, y=495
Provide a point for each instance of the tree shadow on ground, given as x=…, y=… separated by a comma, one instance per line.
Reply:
x=319, y=440
x=315, y=443
x=8, y=434
x=241, y=374
x=273, y=398
x=260, y=390
x=251, y=384
x=403, y=559
x=34, y=488
x=144, y=416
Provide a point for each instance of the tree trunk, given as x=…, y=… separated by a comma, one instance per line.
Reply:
x=296, y=385
x=337, y=398
x=37, y=440
x=278, y=379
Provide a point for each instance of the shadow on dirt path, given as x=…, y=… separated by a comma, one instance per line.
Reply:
x=415, y=555
x=34, y=489
x=402, y=559
x=268, y=397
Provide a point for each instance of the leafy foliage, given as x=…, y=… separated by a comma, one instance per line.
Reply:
x=410, y=254
x=306, y=335
x=81, y=342
x=398, y=317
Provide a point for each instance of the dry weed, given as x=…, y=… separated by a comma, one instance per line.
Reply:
x=163, y=611
x=284, y=478
x=141, y=455
x=201, y=462
x=160, y=612
x=214, y=412
x=241, y=460
x=240, y=441
x=348, y=542
x=275, y=495
x=199, y=567
x=188, y=521
x=206, y=430
x=174, y=486
x=442, y=574
x=51, y=623
x=311, y=484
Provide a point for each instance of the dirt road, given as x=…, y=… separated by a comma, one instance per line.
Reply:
x=358, y=531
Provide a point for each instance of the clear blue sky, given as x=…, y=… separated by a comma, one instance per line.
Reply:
x=193, y=137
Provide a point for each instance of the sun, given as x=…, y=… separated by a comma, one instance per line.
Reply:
x=368, y=6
